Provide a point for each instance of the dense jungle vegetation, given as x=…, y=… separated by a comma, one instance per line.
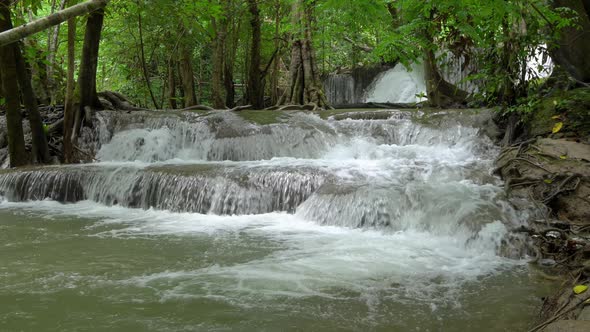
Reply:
x=182, y=54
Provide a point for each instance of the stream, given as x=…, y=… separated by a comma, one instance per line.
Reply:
x=348, y=221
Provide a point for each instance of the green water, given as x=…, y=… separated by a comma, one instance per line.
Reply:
x=69, y=273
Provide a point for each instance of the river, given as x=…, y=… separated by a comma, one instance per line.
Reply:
x=374, y=221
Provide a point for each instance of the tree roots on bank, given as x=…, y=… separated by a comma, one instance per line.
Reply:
x=555, y=176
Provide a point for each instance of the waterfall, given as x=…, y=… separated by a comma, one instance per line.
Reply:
x=392, y=173
x=377, y=210
x=398, y=85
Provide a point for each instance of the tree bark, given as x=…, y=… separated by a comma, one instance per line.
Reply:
x=305, y=87
x=13, y=35
x=187, y=77
x=14, y=125
x=274, y=78
x=69, y=112
x=220, y=27
x=40, y=149
x=86, y=95
x=254, y=87
x=171, y=85
x=440, y=92
x=573, y=53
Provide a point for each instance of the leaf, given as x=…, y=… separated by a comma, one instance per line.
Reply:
x=563, y=157
x=557, y=127
x=548, y=181
x=579, y=289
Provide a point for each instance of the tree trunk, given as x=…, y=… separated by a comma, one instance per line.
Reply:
x=187, y=77
x=574, y=43
x=231, y=47
x=14, y=125
x=254, y=88
x=305, y=87
x=86, y=90
x=146, y=74
x=13, y=35
x=40, y=150
x=274, y=78
x=219, y=25
x=70, y=111
x=180, y=87
x=228, y=81
x=171, y=86
x=440, y=92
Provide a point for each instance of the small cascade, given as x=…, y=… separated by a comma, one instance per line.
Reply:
x=207, y=188
x=398, y=85
x=353, y=208
x=393, y=172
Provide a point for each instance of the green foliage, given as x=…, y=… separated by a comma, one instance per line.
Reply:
x=496, y=38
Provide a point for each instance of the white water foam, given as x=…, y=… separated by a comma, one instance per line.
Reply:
x=410, y=212
x=324, y=261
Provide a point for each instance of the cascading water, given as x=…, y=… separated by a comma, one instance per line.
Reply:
x=307, y=217
x=398, y=85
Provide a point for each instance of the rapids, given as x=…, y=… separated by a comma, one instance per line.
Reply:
x=377, y=220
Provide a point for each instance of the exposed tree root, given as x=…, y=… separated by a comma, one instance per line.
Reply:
x=555, y=175
x=118, y=101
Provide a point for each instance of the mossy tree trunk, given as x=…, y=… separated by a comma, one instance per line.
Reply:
x=86, y=95
x=187, y=76
x=305, y=86
x=573, y=53
x=69, y=113
x=220, y=28
x=231, y=48
x=255, y=88
x=440, y=92
x=16, y=140
x=40, y=148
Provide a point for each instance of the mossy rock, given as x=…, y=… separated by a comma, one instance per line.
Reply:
x=570, y=107
x=262, y=117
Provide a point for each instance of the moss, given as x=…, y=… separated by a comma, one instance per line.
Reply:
x=262, y=117
x=572, y=107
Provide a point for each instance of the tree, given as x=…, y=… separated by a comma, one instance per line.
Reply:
x=304, y=86
x=86, y=97
x=13, y=35
x=16, y=140
x=70, y=112
x=573, y=46
x=255, y=90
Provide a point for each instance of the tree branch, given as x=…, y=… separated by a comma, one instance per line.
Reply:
x=18, y=33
